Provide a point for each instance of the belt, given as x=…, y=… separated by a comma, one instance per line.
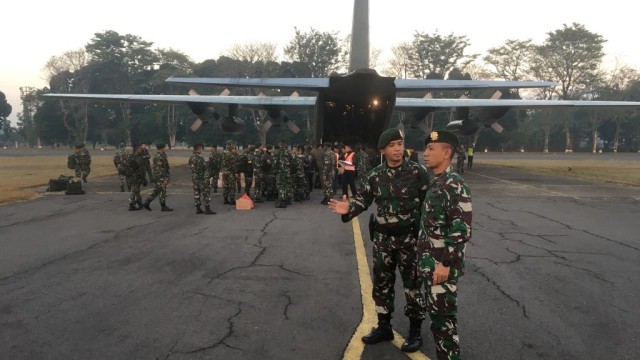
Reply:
x=395, y=231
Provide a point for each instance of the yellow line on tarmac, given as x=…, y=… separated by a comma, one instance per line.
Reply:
x=369, y=318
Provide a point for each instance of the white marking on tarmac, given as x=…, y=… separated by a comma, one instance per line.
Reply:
x=526, y=185
x=369, y=318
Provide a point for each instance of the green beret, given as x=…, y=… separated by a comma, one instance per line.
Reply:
x=160, y=146
x=442, y=136
x=388, y=136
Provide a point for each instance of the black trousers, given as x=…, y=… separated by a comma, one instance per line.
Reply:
x=349, y=180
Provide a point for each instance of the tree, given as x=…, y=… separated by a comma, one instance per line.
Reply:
x=433, y=56
x=253, y=52
x=573, y=55
x=72, y=60
x=5, y=111
x=26, y=122
x=510, y=60
x=398, y=65
x=319, y=50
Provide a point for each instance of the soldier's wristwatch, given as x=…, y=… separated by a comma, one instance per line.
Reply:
x=446, y=263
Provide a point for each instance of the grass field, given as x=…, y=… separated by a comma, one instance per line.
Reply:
x=613, y=171
x=21, y=176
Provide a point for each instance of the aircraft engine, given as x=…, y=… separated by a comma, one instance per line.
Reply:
x=232, y=124
x=203, y=114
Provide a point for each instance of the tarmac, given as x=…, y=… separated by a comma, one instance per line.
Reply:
x=552, y=272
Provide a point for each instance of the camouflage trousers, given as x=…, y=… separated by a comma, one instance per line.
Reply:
x=159, y=190
x=201, y=192
x=327, y=184
x=284, y=186
x=270, y=187
x=134, y=195
x=215, y=175
x=259, y=186
x=389, y=253
x=442, y=306
x=229, y=184
x=82, y=171
x=362, y=179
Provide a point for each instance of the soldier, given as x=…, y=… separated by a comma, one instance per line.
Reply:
x=328, y=174
x=445, y=227
x=318, y=155
x=82, y=162
x=282, y=170
x=201, y=188
x=161, y=176
x=229, y=172
x=146, y=157
x=269, y=175
x=119, y=161
x=300, y=191
x=247, y=164
x=135, y=175
x=461, y=158
x=362, y=166
x=397, y=187
x=214, y=164
x=258, y=173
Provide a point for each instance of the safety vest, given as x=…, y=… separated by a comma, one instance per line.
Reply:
x=350, y=159
x=470, y=151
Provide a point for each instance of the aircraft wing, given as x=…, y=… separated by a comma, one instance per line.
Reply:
x=418, y=103
x=273, y=83
x=427, y=84
x=304, y=102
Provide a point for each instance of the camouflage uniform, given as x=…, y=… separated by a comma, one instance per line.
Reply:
x=119, y=161
x=258, y=175
x=135, y=176
x=328, y=172
x=214, y=164
x=398, y=194
x=160, y=169
x=147, y=166
x=300, y=190
x=362, y=168
x=269, y=176
x=201, y=188
x=229, y=173
x=82, y=163
x=282, y=171
x=445, y=227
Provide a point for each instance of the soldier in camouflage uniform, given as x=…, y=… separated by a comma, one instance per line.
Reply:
x=298, y=176
x=269, y=175
x=214, y=164
x=135, y=175
x=229, y=173
x=362, y=167
x=201, y=187
x=119, y=161
x=161, y=176
x=247, y=162
x=398, y=187
x=445, y=227
x=329, y=163
x=282, y=171
x=258, y=173
x=82, y=162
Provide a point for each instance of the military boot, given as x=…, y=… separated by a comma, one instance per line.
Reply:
x=147, y=204
x=414, y=340
x=232, y=201
x=199, y=210
x=133, y=207
x=281, y=204
x=121, y=188
x=165, y=207
x=208, y=211
x=215, y=189
x=324, y=201
x=140, y=204
x=288, y=201
x=384, y=331
x=226, y=201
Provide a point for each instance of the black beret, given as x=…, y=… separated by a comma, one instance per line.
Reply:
x=388, y=136
x=442, y=136
x=160, y=146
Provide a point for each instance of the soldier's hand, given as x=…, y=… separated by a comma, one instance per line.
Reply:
x=440, y=274
x=339, y=207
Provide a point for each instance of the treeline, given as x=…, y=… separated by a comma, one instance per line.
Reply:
x=112, y=63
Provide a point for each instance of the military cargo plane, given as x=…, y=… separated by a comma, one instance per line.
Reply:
x=355, y=107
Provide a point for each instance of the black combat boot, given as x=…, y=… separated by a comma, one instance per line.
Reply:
x=133, y=207
x=288, y=201
x=165, y=207
x=140, y=204
x=215, y=189
x=208, y=211
x=226, y=201
x=324, y=201
x=147, y=204
x=199, y=210
x=232, y=201
x=121, y=188
x=384, y=331
x=414, y=340
x=281, y=204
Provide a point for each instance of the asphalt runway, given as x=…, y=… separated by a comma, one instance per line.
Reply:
x=552, y=273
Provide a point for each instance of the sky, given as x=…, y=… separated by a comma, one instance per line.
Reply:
x=34, y=31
